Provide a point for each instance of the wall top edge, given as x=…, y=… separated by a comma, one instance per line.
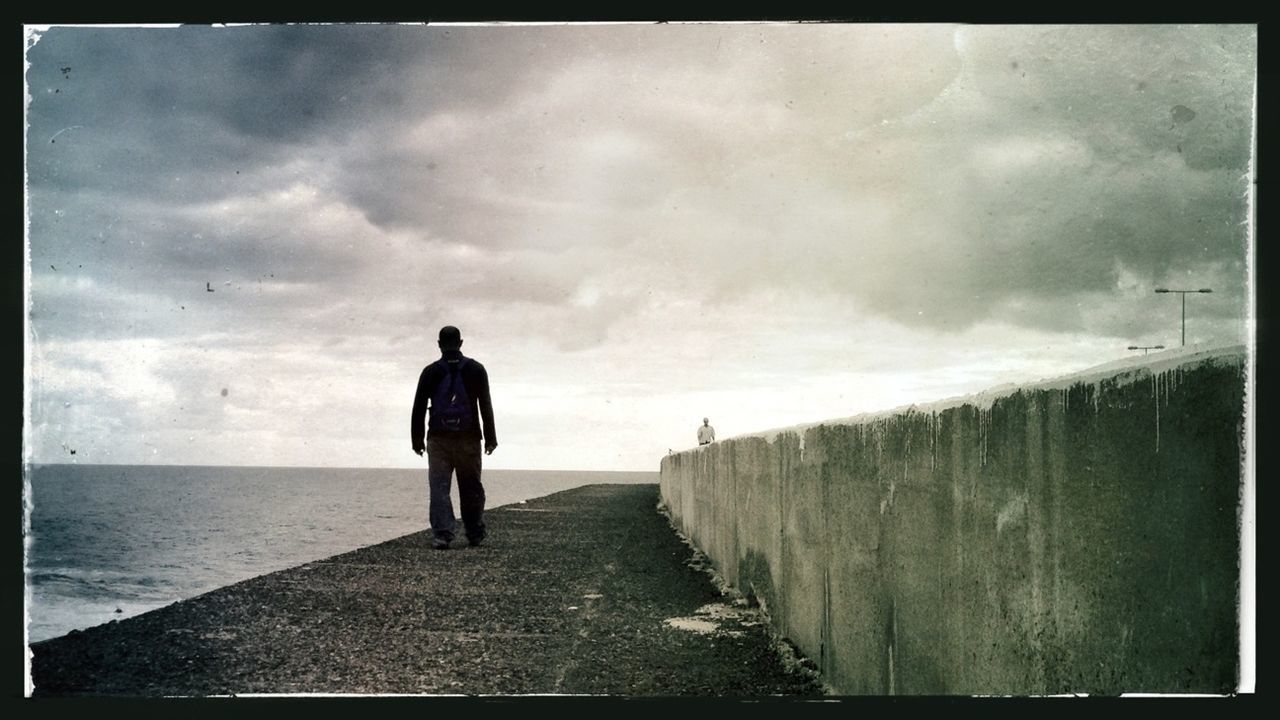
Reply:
x=1124, y=370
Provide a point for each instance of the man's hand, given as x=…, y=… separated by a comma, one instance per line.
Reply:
x=490, y=447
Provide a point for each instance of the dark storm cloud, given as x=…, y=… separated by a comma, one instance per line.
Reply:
x=238, y=241
x=1056, y=235
x=131, y=109
x=438, y=196
x=277, y=267
x=276, y=82
x=1038, y=162
x=612, y=119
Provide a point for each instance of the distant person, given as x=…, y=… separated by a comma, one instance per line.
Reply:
x=706, y=433
x=452, y=389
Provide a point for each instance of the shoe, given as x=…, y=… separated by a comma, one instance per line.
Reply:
x=440, y=544
x=475, y=541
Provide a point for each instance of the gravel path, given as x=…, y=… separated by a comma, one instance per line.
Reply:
x=587, y=591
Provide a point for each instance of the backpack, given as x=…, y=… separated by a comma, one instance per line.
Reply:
x=451, y=407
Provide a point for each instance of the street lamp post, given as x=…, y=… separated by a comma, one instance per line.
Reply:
x=1145, y=348
x=1183, y=293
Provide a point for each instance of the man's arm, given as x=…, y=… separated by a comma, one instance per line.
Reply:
x=486, y=409
x=417, y=420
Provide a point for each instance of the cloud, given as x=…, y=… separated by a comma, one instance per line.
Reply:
x=616, y=209
x=1000, y=189
x=932, y=191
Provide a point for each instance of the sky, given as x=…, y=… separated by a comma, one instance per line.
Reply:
x=242, y=241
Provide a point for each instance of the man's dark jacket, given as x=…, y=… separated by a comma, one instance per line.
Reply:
x=476, y=381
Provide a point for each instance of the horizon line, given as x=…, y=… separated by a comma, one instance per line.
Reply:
x=27, y=463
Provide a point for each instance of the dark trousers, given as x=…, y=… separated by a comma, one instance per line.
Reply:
x=445, y=455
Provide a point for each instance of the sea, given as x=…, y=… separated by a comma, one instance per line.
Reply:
x=106, y=542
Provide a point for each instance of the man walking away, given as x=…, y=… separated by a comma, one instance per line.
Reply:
x=706, y=433
x=451, y=390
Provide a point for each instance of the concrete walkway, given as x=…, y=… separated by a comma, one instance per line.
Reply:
x=588, y=591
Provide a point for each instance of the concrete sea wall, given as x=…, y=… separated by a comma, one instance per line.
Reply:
x=1079, y=535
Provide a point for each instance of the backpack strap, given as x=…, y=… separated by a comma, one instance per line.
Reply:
x=452, y=373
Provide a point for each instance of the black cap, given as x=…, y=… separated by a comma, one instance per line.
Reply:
x=450, y=337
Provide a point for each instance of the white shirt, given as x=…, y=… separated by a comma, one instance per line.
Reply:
x=706, y=434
